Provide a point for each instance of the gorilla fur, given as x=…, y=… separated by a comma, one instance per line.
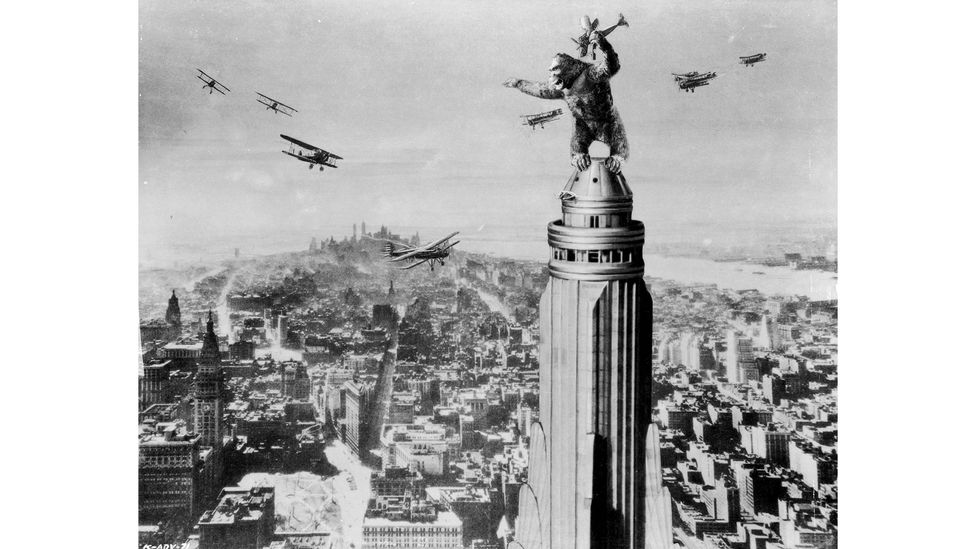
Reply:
x=586, y=89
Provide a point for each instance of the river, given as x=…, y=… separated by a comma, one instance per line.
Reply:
x=530, y=244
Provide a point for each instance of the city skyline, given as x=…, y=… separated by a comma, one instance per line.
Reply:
x=427, y=128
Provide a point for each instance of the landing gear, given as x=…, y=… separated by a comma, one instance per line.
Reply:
x=310, y=166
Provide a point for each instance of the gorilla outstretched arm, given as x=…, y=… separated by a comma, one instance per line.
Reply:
x=541, y=90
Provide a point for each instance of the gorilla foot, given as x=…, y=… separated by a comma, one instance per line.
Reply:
x=580, y=161
x=614, y=163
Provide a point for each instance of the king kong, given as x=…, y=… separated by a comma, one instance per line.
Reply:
x=586, y=89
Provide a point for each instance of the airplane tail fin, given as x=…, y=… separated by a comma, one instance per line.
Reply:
x=623, y=22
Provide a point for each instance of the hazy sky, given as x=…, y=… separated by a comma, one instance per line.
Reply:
x=410, y=94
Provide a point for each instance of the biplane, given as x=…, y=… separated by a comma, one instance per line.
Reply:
x=275, y=105
x=751, y=60
x=310, y=153
x=211, y=82
x=431, y=253
x=540, y=119
x=691, y=80
x=692, y=74
x=585, y=39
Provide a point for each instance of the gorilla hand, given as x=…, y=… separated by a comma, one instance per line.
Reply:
x=614, y=163
x=511, y=83
x=580, y=161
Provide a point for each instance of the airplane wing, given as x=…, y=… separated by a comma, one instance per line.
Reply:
x=293, y=109
x=304, y=145
x=426, y=247
x=302, y=158
x=222, y=86
x=337, y=157
x=205, y=74
x=421, y=262
x=437, y=243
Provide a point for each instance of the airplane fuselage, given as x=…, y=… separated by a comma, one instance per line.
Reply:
x=747, y=61
x=433, y=254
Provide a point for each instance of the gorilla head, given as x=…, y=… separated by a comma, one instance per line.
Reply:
x=564, y=70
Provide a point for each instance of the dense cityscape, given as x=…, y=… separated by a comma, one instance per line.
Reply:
x=324, y=399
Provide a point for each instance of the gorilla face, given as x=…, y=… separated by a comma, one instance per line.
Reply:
x=564, y=70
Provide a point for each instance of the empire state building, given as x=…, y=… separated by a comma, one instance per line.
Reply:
x=587, y=471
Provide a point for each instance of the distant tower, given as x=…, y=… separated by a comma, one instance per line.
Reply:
x=173, y=311
x=740, y=364
x=362, y=228
x=237, y=253
x=353, y=232
x=586, y=482
x=391, y=294
x=208, y=408
x=282, y=329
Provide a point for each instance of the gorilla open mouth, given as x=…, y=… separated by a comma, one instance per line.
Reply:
x=564, y=70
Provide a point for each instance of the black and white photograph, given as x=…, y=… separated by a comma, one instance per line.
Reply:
x=490, y=275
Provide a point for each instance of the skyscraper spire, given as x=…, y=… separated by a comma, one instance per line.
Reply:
x=210, y=352
x=586, y=483
x=173, y=311
x=207, y=388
